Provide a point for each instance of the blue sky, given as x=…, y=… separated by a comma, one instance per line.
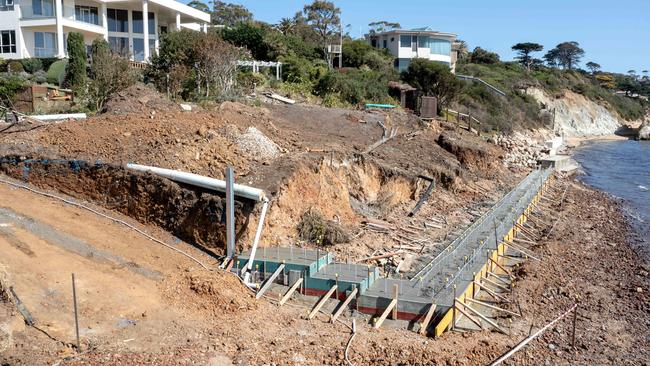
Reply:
x=615, y=34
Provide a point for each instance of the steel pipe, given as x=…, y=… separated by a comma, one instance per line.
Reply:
x=251, y=193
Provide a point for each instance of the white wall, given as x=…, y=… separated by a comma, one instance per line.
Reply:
x=9, y=21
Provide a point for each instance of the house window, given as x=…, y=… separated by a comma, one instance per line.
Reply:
x=403, y=64
x=414, y=43
x=423, y=42
x=405, y=41
x=118, y=20
x=373, y=42
x=86, y=14
x=44, y=44
x=385, y=43
x=440, y=47
x=8, y=41
x=137, y=22
x=44, y=8
x=6, y=5
x=119, y=45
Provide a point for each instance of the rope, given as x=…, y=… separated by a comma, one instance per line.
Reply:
x=70, y=202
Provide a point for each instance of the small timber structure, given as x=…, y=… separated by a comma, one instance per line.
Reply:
x=434, y=296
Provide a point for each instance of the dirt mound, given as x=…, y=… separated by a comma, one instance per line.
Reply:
x=139, y=98
x=256, y=145
x=218, y=293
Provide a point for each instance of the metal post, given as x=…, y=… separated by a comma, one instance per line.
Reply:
x=76, y=314
x=230, y=213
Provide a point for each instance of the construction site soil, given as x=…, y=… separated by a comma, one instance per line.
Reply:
x=305, y=158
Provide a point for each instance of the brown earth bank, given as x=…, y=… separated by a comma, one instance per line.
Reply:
x=196, y=317
x=304, y=157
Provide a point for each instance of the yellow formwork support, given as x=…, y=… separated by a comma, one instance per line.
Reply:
x=446, y=320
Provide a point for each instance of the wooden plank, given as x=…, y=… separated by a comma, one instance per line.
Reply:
x=427, y=319
x=501, y=287
x=395, y=296
x=322, y=302
x=491, y=306
x=497, y=277
x=474, y=320
x=503, y=268
x=293, y=289
x=380, y=321
x=491, y=293
x=474, y=311
x=344, y=305
x=519, y=249
x=269, y=281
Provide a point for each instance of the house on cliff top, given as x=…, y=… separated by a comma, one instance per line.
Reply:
x=407, y=44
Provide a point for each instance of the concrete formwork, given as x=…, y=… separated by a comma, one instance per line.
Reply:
x=448, y=276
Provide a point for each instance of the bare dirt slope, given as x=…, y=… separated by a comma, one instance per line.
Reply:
x=190, y=316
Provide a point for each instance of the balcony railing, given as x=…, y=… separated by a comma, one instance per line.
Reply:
x=28, y=11
x=44, y=52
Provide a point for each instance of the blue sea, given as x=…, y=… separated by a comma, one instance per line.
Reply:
x=622, y=169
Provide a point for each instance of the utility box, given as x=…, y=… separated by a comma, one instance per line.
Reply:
x=428, y=107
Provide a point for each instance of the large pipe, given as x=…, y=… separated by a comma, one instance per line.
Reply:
x=258, y=233
x=201, y=181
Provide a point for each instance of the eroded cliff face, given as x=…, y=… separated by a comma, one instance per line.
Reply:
x=577, y=116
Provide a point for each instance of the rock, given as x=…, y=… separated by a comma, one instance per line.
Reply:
x=186, y=107
x=639, y=289
x=551, y=346
x=644, y=130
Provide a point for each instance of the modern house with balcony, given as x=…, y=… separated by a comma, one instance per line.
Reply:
x=39, y=28
x=407, y=44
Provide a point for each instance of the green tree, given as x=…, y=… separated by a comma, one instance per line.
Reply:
x=524, y=50
x=75, y=73
x=593, y=67
x=324, y=18
x=109, y=74
x=382, y=26
x=199, y=5
x=249, y=35
x=481, y=56
x=230, y=14
x=359, y=53
x=433, y=79
x=565, y=54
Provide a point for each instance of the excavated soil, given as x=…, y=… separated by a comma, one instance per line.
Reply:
x=304, y=157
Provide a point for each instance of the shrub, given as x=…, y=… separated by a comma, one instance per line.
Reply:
x=248, y=81
x=109, y=74
x=15, y=67
x=10, y=85
x=359, y=53
x=75, y=74
x=481, y=56
x=40, y=76
x=433, y=79
x=31, y=65
x=354, y=86
x=56, y=72
x=314, y=228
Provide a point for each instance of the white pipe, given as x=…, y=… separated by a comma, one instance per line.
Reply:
x=58, y=117
x=201, y=181
x=258, y=233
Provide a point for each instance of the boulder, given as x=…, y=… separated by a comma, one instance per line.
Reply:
x=644, y=130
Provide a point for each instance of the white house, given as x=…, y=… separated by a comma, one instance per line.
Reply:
x=407, y=44
x=38, y=28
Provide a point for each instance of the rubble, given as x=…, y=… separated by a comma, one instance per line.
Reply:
x=523, y=151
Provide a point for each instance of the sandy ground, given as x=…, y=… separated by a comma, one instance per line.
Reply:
x=190, y=316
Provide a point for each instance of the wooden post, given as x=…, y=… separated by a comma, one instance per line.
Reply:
x=288, y=294
x=76, y=314
x=573, y=333
x=344, y=305
x=427, y=319
x=395, y=296
x=322, y=302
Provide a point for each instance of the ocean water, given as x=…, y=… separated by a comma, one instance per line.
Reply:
x=622, y=169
